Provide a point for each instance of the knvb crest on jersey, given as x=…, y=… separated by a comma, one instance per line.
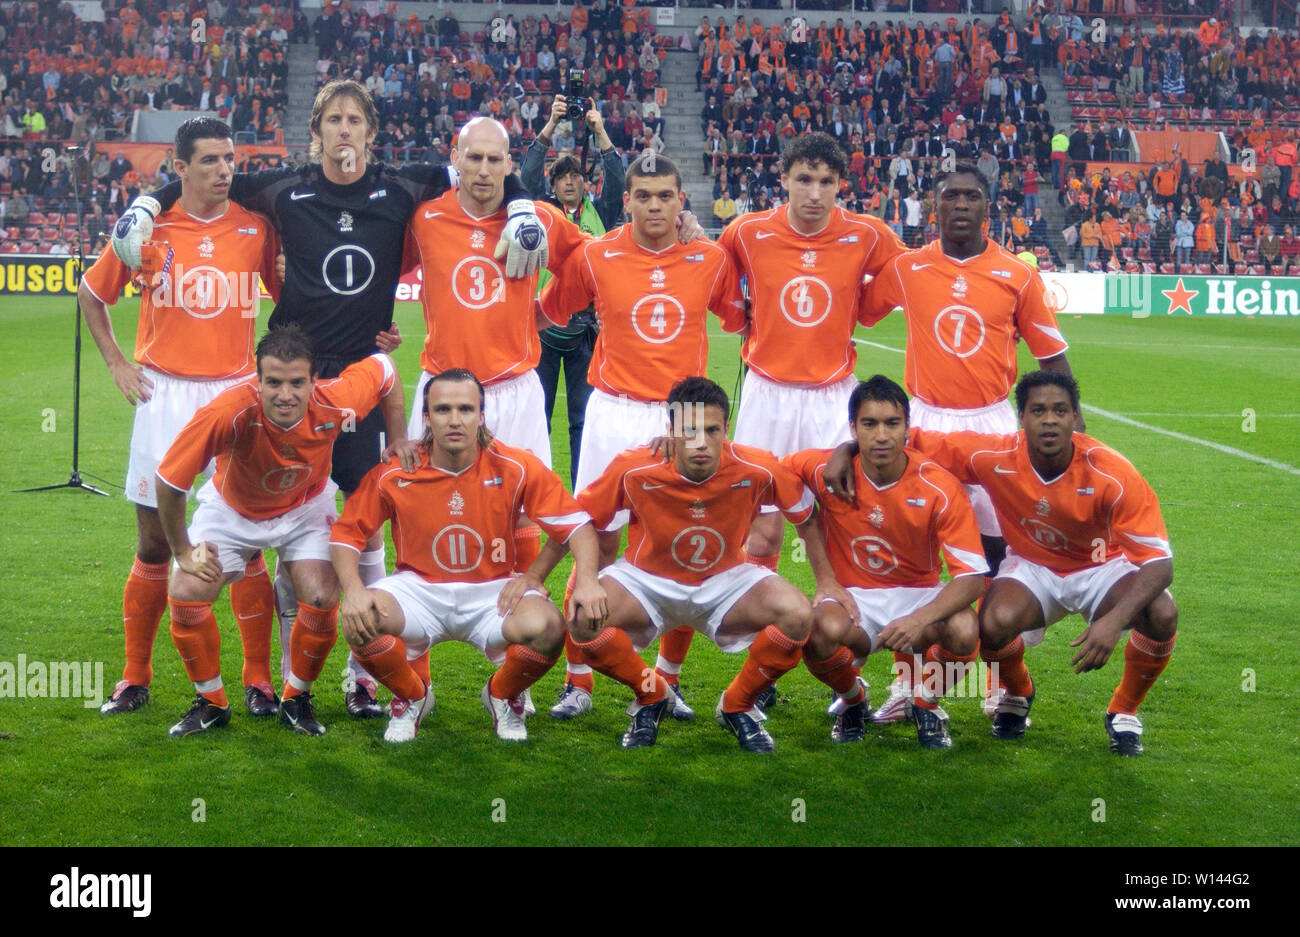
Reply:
x=345, y=223
x=809, y=259
x=456, y=504
x=1044, y=508
x=657, y=278
x=959, y=287
x=477, y=239
x=206, y=247
x=697, y=510
x=876, y=518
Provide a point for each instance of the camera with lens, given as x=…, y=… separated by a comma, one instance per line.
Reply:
x=575, y=98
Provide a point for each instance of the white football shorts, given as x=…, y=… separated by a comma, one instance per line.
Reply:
x=174, y=402
x=300, y=534
x=1081, y=592
x=671, y=604
x=878, y=607
x=995, y=418
x=613, y=425
x=514, y=411
x=450, y=611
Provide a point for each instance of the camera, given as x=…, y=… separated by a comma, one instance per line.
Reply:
x=575, y=98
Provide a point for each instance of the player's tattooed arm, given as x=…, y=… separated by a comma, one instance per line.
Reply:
x=1098, y=640
x=827, y=588
x=839, y=471
x=1062, y=364
x=358, y=613
x=127, y=375
x=200, y=561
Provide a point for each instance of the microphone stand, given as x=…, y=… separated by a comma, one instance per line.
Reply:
x=78, y=265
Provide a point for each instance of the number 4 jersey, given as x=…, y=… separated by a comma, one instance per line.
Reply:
x=263, y=470
x=963, y=320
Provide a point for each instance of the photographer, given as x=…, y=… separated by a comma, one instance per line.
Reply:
x=574, y=343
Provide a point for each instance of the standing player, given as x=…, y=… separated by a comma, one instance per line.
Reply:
x=271, y=440
x=967, y=301
x=683, y=564
x=804, y=264
x=452, y=517
x=342, y=219
x=194, y=340
x=1084, y=534
x=878, y=571
x=650, y=294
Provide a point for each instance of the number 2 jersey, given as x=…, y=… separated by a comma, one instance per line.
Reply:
x=263, y=470
x=899, y=534
x=1098, y=509
x=684, y=530
x=803, y=290
x=458, y=526
x=963, y=320
x=651, y=304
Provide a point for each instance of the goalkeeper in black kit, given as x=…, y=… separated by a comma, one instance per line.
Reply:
x=342, y=223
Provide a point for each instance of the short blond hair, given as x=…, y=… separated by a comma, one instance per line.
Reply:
x=343, y=87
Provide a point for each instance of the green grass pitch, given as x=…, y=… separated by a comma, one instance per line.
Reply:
x=1220, y=769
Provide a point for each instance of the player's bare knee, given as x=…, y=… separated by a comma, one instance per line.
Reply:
x=794, y=620
x=539, y=627
x=584, y=630
x=962, y=634
x=998, y=625
x=1161, y=619
x=829, y=630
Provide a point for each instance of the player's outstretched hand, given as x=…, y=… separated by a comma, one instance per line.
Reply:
x=591, y=599
x=523, y=243
x=407, y=452
x=359, y=617
x=839, y=473
x=904, y=634
x=688, y=227
x=132, y=382
x=1098, y=640
x=133, y=228
x=201, y=562
x=515, y=590
x=387, y=341
x=834, y=592
x=279, y=267
x=664, y=446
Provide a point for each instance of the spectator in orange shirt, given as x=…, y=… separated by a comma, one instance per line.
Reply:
x=1205, y=244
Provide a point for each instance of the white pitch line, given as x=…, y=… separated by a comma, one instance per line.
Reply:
x=1219, y=416
x=1218, y=447
x=863, y=341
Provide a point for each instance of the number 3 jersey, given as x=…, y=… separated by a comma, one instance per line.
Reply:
x=651, y=306
x=459, y=526
x=264, y=471
x=475, y=318
x=684, y=530
x=963, y=320
x=898, y=534
x=1098, y=509
x=804, y=291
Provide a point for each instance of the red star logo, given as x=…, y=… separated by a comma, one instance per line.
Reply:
x=1180, y=297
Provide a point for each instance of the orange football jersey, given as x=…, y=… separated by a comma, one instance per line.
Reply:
x=688, y=531
x=963, y=320
x=475, y=318
x=1098, y=509
x=803, y=290
x=264, y=471
x=202, y=326
x=898, y=535
x=651, y=304
x=459, y=527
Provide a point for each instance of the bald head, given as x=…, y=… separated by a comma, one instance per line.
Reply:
x=482, y=157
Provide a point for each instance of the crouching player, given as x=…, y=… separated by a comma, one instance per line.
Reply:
x=878, y=571
x=271, y=440
x=688, y=521
x=452, y=517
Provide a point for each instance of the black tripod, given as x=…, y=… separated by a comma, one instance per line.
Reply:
x=78, y=265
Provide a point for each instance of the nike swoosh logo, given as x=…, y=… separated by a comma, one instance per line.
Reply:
x=760, y=235
x=207, y=724
x=246, y=617
x=613, y=254
x=919, y=266
x=1001, y=471
x=403, y=482
x=648, y=487
x=432, y=214
x=299, y=196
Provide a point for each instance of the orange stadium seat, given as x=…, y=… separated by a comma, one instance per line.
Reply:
x=10, y=247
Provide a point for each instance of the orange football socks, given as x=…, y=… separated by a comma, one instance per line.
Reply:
x=771, y=655
x=385, y=659
x=197, y=638
x=523, y=668
x=611, y=653
x=314, y=632
x=1144, y=660
x=253, y=601
x=528, y=543
x=838, y=673
x=941, y=670
x=1011, y=667
x=672, y=652
x=144, y=599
